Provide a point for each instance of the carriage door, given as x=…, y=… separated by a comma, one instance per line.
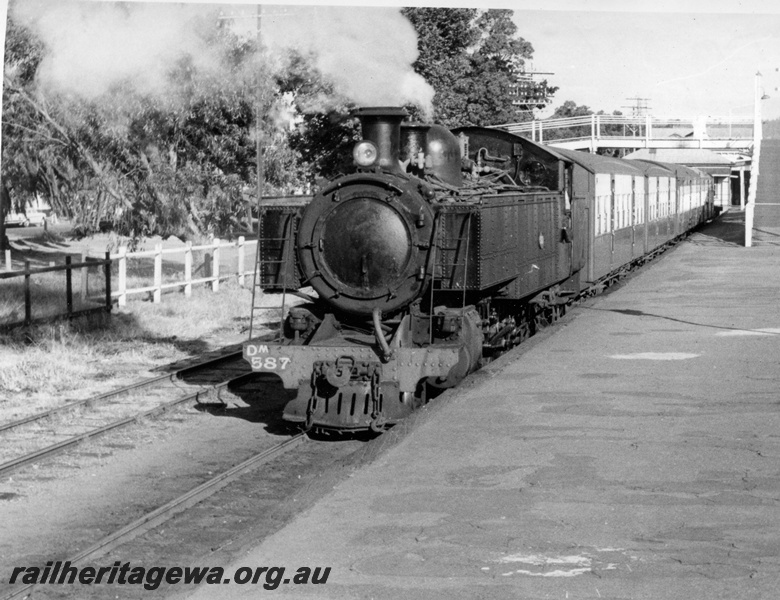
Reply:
x=632, y=214
x=579, y=223
x=612, y=220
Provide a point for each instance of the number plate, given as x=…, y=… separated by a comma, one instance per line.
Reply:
x=261, y=360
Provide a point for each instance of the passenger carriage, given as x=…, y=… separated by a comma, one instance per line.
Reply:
x=623, y=210
x=691, y=202
x=613, y=193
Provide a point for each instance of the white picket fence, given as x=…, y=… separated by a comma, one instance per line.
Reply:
x=214, y=276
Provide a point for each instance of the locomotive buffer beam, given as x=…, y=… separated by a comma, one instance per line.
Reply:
x=350, y=387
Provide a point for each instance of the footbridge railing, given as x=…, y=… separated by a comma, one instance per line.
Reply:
x=592, y=132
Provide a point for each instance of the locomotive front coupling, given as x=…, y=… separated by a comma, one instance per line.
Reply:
x=347, y=386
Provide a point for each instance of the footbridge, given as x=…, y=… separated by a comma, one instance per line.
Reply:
x=729, y=135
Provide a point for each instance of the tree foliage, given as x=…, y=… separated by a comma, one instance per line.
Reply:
x=472, y=58
x=183, y=164
x=571, y=109
x=326, y=130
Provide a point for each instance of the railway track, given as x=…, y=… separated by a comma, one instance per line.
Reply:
x=46, y=434
x=165, y=512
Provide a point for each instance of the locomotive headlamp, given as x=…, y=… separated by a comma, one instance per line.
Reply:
x=365, y=153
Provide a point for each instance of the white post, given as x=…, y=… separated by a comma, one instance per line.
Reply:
x=648, y=130
x=595, y=145
x=742, y=188
x=751, y=203
x=188, y=270
x=157, y=294
x=8, y=263
x=241, y=261
x=215, y=267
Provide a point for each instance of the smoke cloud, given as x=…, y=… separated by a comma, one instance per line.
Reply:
x=93, y=46
x=366, y=52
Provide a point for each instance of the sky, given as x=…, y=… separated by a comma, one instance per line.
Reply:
x=685, y=57
x=688, y=63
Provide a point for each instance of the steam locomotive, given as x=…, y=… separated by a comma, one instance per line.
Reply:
x=442, y=248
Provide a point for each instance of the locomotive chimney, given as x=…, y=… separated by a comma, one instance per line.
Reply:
x=414, y=143
x=382, y=126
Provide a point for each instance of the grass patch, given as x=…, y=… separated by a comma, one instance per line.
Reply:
x=48, y=298
x=47, y=365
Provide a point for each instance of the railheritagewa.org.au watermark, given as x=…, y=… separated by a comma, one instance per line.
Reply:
x=63, y=573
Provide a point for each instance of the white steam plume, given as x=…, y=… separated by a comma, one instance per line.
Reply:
x=366, y=52
x=92, y=46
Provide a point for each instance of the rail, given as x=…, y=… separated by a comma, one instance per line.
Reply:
x=196, y=393
x=167, y=511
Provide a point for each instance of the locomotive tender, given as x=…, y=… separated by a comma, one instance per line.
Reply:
x=444, y=247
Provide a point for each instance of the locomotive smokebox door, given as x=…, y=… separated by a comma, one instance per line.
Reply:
x=364, y=244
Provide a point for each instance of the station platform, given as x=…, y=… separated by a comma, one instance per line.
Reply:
x=633, y=451
x=767, y=210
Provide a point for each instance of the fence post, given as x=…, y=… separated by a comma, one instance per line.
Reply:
x=157, y=294
x=27, y=298
x=188, y=270
x=215, y=267
x=84, y=277
x=69, y=285
x=241, y=278
x=8, y=263
x=108, y=282
x=122, y=285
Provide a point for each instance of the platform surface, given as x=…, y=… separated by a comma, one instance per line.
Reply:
x=634, y=453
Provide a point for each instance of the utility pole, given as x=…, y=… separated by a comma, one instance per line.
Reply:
x=258, y=117
x=640, y=107
x=259, y=97
x=5, y=199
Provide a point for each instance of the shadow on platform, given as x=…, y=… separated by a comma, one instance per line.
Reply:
x=766, y=236
x=728, y=229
